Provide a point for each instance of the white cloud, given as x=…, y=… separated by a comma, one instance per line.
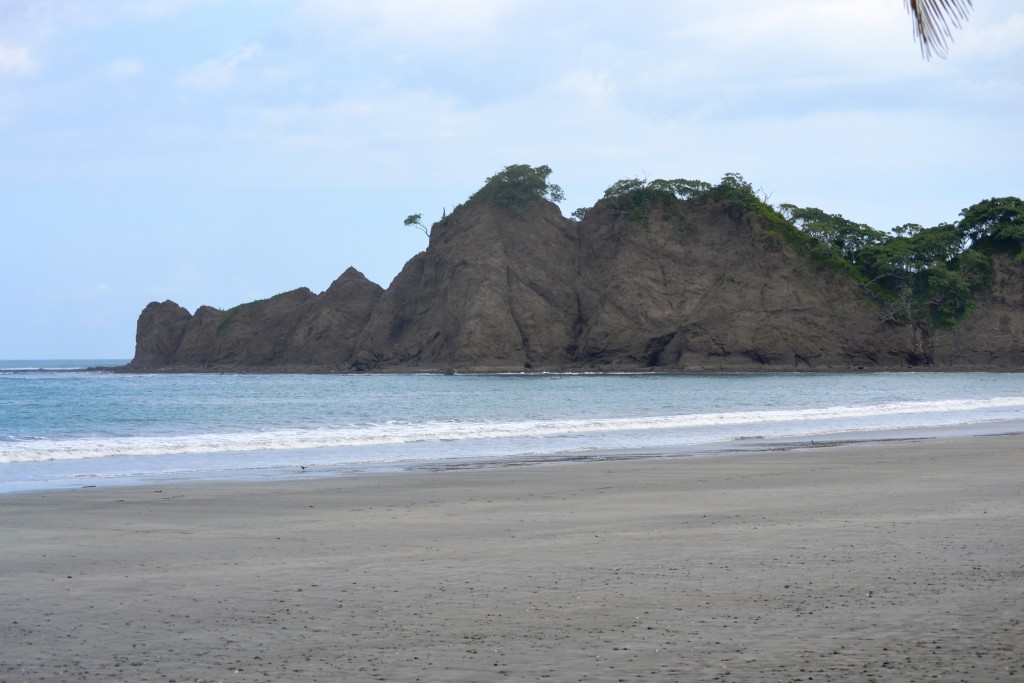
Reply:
x=123, y=69
x=854, y=35
x=156, y=8
x=992, y=40
x=439, y=22
x=219, y=73
x=381, y=125
x=588, y=84
x=17, y=61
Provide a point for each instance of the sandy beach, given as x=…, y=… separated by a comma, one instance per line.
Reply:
x=893, y=561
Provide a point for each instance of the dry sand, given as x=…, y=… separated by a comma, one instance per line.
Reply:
x=886, y=562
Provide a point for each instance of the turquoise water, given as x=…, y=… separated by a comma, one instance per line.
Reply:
x=61, y=426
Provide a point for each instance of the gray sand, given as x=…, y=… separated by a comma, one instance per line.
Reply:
x=885, y=562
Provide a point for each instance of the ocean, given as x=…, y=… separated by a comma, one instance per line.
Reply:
x=64, y=426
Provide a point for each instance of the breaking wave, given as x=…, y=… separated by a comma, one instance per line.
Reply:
x=803, y=421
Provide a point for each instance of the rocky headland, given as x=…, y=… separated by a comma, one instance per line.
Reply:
x=670, y=276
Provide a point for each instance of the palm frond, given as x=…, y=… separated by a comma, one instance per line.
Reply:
x=934, y=21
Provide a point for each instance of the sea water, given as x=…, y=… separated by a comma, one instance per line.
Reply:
x=62, y=425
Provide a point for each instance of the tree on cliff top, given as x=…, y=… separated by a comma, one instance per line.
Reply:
x=996, y=222
x=521, y=187
x=416, y=221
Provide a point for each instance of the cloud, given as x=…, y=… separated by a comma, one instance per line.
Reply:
x=219, y=73
x=1000, y=39
x=437, y=22
x=383, y=127
x=588, y=84
x=123, y=69
x=156, y=8
x=17, y=61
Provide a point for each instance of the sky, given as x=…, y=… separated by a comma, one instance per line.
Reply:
x=214, y=152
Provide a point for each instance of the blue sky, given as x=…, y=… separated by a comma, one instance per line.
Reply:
x=218, y=151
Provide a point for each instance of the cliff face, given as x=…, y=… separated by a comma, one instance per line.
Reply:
x=687, y=286
x=702, y=290
x=493, y=290
x=993, y=336
x=327, y=337
x=697, y=291
x=159, y=332
x=296, y=330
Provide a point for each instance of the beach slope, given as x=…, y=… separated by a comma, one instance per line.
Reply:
x=896, y=561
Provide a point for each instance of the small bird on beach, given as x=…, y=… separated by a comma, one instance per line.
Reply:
x=302, y=467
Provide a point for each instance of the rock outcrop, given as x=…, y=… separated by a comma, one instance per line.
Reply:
x=160, y=329
x=702, y=290
x=494, y=290
x=294, y=331
x=687, y=286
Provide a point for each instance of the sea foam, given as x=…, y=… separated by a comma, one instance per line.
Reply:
x=804, y=421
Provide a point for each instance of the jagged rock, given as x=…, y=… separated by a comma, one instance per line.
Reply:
x=296, y=330
x=698, y=289
x=686, y=286
x=160, y=330
x=326, y=339
x=495, y=290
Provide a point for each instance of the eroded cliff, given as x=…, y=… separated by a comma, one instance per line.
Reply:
x=294, y=331
x=674, y=284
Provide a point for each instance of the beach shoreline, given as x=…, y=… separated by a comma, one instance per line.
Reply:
x=883, y=560
x=314, y=470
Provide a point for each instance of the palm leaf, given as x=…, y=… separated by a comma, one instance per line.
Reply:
x=934, y=21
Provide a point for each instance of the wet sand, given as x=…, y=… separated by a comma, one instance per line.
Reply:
x=884, y=562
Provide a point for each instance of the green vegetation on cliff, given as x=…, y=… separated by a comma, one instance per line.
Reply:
x=520, y=187
x=925, y=277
